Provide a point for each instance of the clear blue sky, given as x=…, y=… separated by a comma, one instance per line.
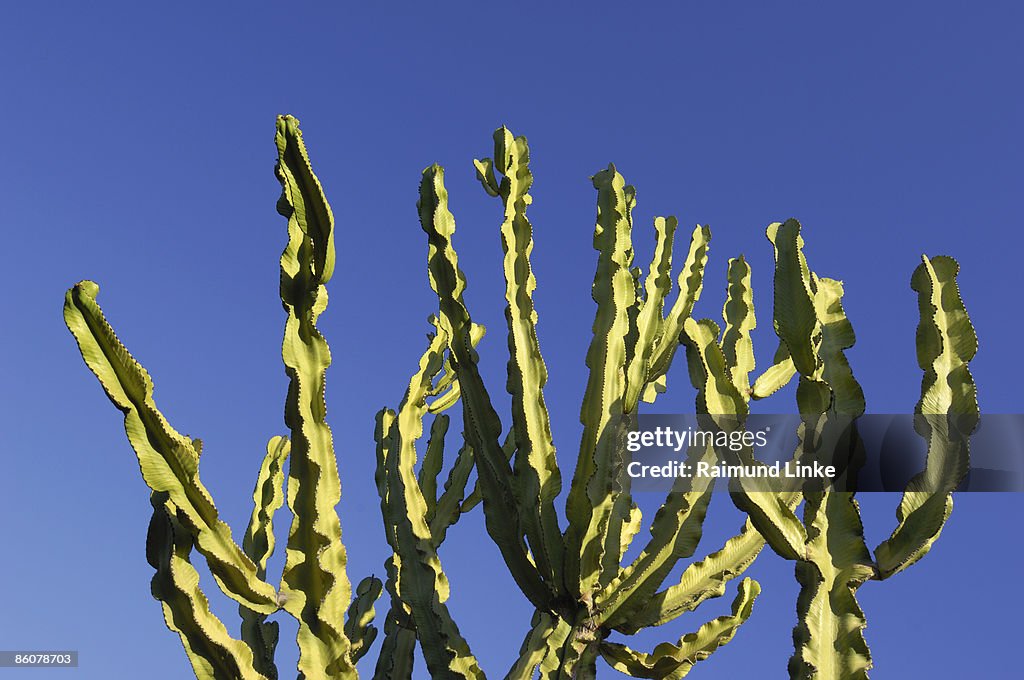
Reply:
x=138, y=152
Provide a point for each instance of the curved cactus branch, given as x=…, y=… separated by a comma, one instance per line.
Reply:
x=213, y=653
x=504, y=520
x=738, y=313
x=700, y=581
x=717, y=395
x=947, y=414
x=591, y=501
x=359, y=628
x=650, y=320
x=538, y=479
x=268, y=497
x=691, y=283
x=314, y=585
x=419, y=580
x=169, y=461
x=675, y=533
x=397, y=653
x=670, y=662
x=541, y=648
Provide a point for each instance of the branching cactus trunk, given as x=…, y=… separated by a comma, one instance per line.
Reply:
x=314, y=587
x=827, y=544
x=573, y=576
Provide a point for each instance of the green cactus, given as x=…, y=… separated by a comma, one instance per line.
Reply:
x=574, y=578
x=314, y=587
x=416, y=521
x=832, y=559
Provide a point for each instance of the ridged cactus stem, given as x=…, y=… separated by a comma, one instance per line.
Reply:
x=582, y=591
x=504, y=518
x=315, y=587
x=832, y=560
x=536, y=470
x=268, y=497
x=416, y=579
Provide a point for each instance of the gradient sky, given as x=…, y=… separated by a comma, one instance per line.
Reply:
x=138, y=152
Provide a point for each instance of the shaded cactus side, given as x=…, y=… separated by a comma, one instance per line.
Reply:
x=827, y=544
x=314, y=587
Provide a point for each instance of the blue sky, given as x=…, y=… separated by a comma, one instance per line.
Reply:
x=138, y=152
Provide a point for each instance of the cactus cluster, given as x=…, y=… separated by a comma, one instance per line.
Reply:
x=333, y=634
x=827, y=544
x=574, y=576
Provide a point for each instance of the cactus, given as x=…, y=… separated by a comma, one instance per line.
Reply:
x=574, y=577
x=416, y=521
x=314, y=586
x=828, y=546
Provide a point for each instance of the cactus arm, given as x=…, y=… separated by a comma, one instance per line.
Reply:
x=359, y=628
x=675, y=532
x=447, y=510
x=433, y=460
x=473, y=498
x=622, y=529
x=650, y=321
x=543, y=643
x=551, y=665
x=449, y=505
x=794, y=297
x=592, y=497
x=268, y=497
x=502, y=518
x=262, y=635
x=213, y=653
x=314, y=583
x=673, y=661
x=946, y=342
x=397, y=658
x=676, y=529
x=169, y=461
x=837, y=335
x=738, y=314
x=691, y=283
x=828, y=638
x=420, y=581
x=775, y=376
x=700, y=581
x=447, y=391
x=538, y=479
x=446, y=400
x=717, y=395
